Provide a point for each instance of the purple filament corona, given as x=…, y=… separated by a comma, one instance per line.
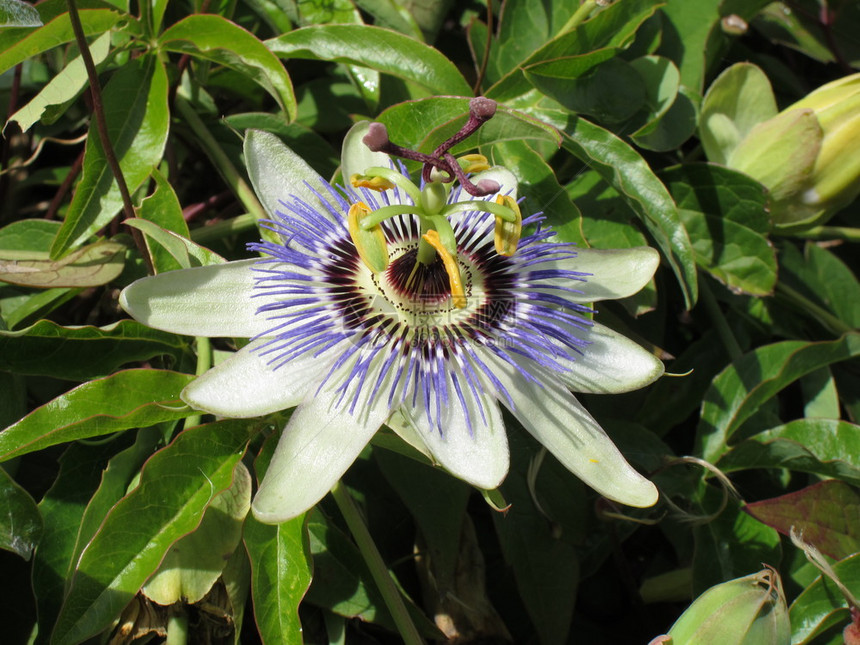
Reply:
x=394, y=334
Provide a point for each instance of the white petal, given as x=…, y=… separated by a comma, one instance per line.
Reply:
x=610, y=364
x=479, y=457
x=202, y=301
x=245, y=385
x=318, y=445
x=355, y=157
x=614, y=273
x=277, y=173
x=556, y=419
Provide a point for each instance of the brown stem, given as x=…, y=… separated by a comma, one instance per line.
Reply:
x=64, y=188
x=5, y=142
x=101, y=125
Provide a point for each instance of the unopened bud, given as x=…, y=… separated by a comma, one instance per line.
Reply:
x=807, y=155
x=745, y=611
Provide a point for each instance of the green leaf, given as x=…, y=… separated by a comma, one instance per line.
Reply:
x=611, y=92
x=826, y=447
x=117, y=478
x=392, y=15
x=20, y=520
x=739, y=390
x=731, y=545
x=63, y=88
x=280, y=575
x=610, y=29
x=281, y=568
x=17, y=45
x=29, y=237
x=539, y=185
x=671, y=113
x=725, y=214
x=215, y=38
x=341, y=582
x=129, y=399
x=82, y=467
x=135, y=104
x=826, y=514
x=91, y=266
x=182, y=253
x=17, y=13
x=628, y=173
x=19, y=305
x=380, y=49
x=821, y=276
x=693, y=36
x=195, y=562
x=162, y=208
x=535, y=543
x=24, y=258
x=525, y=28
x=408, y=125
x=608, y=225
x=437, y=502
x=176, y=486
x=822, y=605
x=81, y=353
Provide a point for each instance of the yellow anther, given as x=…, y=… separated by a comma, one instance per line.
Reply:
x=473, y=163
x=370, y=181
x=507, y=234
x=370, y=244
x=458, y=296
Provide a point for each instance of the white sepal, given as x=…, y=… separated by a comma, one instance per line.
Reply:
x=614, y=273
x=245, y=385
x=558, y=421
x=277, y=173
x=319, y=444
x=210, y=300
x=480, y=456
x=610, y=364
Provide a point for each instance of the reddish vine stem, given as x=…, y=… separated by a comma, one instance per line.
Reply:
x=13, y=105
x=101, y=125
x=65, y=187
x=827, y=18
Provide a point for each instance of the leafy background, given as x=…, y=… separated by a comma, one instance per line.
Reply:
x=599, y=119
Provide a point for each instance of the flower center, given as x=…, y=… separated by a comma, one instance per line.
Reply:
x=418, y=295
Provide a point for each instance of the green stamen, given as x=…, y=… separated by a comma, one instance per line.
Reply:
x=479, y=205
x=387, y=212
x=397, y=179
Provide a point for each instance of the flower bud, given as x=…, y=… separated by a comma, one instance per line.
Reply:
x=745, y=611
x=835, y=178
x=807, y=155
